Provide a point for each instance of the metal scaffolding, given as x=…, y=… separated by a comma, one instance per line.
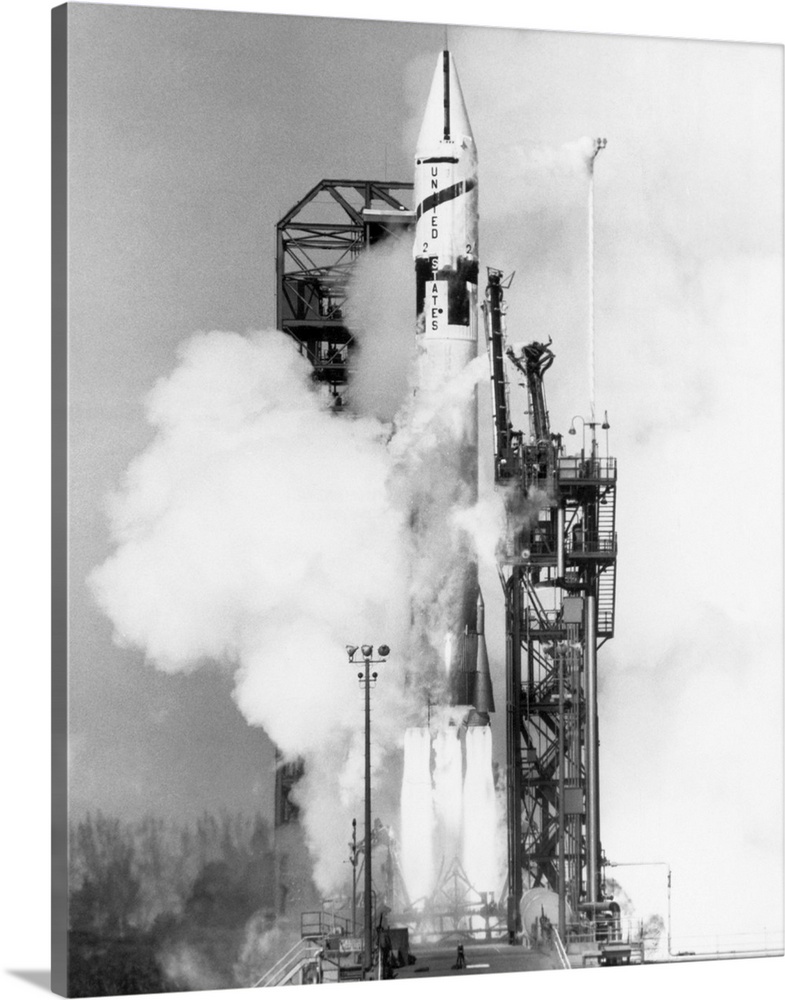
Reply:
x=318, y=242
x=558, y=570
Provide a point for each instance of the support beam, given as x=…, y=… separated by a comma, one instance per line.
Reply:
x=592, y=756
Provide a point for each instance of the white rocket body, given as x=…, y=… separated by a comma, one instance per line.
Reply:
x=445, y=245
x=446, y=268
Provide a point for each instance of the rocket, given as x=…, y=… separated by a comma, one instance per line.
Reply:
x=446, y=266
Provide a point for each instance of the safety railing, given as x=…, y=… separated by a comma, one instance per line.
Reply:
x=543, y=620
x=590, y=543
x=550, y=622
x=289, y=964
x=542, y=545
x=318, y=923
x=605, y=622
x=560, y=950
x=342, y=959
x=595, y=469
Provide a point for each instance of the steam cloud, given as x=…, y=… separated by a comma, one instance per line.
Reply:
x=263, y=532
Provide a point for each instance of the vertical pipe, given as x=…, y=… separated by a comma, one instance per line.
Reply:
x=598, y=145
x=562, y=833
x=514, y=859
x=280, y=270
x=592, y=762
x=368, y=885
x=669, y=911
x=354, y=877
x=574, y=821
x=577, y=695
x=560, y=568
x=590, y=228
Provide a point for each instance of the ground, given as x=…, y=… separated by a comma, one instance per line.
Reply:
x=481, y=958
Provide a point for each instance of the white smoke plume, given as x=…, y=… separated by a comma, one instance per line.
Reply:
x=262, y=532
x=548, y=176
x=498, y=517
x=257, y=530
x=431, y=481
x=380, y=314
x=188, y=969
x=261, y=946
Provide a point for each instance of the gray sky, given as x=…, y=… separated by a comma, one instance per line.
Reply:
x=191, y=137
x=192, y=134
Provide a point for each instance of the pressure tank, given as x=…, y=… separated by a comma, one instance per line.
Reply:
x=536, y=903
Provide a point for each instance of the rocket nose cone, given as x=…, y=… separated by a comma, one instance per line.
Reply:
x=445, y=119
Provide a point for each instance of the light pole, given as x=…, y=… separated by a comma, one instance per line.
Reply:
x=594, y=424
x=366, y=678
x=353, y=858
x=573, y=431
x=599, y=144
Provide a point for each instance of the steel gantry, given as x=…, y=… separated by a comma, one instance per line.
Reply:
x=557, y=564
x=318, y=242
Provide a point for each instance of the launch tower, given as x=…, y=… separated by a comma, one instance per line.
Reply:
x=558, y=569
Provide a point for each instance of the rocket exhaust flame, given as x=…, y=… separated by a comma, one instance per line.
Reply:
x=417, y=816
x=449, y=810
x=479, y=812
x=447, y=652
x=448, y=790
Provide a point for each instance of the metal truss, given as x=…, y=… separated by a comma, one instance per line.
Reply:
x=318, y=242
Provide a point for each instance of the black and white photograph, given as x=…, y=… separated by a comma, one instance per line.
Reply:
x=417, y=502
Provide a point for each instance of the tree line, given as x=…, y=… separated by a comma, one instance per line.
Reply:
x=157, y=906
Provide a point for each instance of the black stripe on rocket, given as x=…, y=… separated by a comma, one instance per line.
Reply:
x=446, y=71
x=446, y=194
